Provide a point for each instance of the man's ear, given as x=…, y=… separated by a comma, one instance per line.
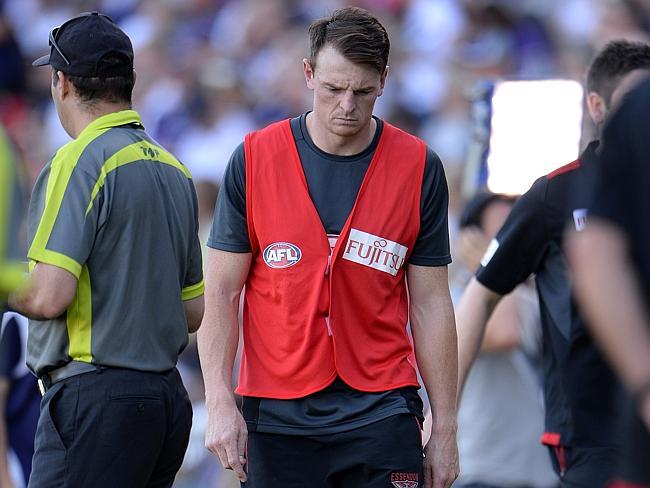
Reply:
x=308, y=71
x=382, y=81
x=597, y=107
x=62, y=84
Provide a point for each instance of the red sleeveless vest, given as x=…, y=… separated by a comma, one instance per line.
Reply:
x=309, y=316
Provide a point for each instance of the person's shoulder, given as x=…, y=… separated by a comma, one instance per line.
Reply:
x=432, y=158
x=533, y=201
x=387, y=127
x=282, y=124
x=236, y=169
x=67, y=155
x=563, y=181
x=563, y=171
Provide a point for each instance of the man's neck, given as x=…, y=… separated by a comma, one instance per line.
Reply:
x=340, y=145
x=84, y=116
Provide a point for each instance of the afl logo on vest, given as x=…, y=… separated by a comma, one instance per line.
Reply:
x=375, y=252
x=281, y=255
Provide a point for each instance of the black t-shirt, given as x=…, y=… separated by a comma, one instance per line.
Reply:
x=333, y=183
x=621, y=195
x=578, y=385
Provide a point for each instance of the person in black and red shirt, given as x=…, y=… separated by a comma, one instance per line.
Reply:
x=612, y=271
x=579, y=388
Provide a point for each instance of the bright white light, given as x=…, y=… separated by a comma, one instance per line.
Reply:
x=536, y=128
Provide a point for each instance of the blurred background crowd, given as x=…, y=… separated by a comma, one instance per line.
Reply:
x=209, y=71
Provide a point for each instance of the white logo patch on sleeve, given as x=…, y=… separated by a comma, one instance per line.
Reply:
x=489, y=253
x=580, y=218
x=375, y=252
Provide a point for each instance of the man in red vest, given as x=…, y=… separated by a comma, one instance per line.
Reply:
x=325, y=218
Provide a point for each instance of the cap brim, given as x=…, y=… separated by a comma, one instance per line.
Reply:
x=42, y=61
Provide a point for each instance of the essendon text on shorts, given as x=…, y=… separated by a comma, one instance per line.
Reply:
x=404, y=480
x=375, y=252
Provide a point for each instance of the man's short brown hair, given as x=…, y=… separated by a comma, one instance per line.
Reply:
x=613, y=62
x=354, y=33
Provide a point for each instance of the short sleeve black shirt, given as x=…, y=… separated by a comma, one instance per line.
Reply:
x=578, y=384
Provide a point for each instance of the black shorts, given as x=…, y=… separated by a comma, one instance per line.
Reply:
x=583, y=467
x=633, y=463
x=386, y=454
x=115, y=428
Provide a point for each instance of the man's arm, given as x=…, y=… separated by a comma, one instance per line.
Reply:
x=194, y=310
x=434, y=338
x=474, y=311
x=502, y=331
x=218, y=337
x=608, y=290
x=48, y=293
x=512, y=256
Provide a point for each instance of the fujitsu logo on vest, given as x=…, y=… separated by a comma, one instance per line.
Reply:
x=281, y=255
x=375, y=252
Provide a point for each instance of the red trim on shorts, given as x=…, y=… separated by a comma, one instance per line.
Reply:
x=420, y=429
x=550, y=439
x=561, y=459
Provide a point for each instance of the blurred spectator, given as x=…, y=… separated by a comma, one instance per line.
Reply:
x=210, y=70
x=19, y=404
x=500, y=417
x=19, y=396
x=12, y=206
x=13, y=84
x=223, y=122
x=12, y=76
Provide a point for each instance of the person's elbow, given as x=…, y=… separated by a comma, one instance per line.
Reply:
x=194, y=309
x=49, y=309
x=48, y=293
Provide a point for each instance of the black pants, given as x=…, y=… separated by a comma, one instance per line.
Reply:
x=387, y=453
x=633, y=462
x=581, y=467
x=114, y=428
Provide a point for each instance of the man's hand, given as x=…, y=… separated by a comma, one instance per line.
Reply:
x=441, y=459
x=226, y=437
x=470, y=247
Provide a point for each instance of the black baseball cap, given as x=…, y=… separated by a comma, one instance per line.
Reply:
x=89, y=45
